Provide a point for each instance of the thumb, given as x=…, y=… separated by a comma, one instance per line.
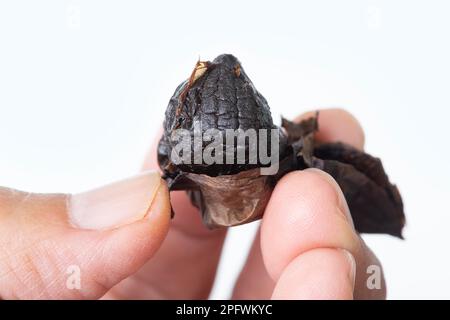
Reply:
x=62, y=246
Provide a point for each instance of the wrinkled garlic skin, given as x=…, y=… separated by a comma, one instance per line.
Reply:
x=218, y=95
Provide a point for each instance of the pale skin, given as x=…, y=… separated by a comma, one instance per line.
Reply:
x=306, y=247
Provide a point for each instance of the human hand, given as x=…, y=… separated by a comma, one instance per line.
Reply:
x=306, y=248
x=58, y=246
x=296, y=254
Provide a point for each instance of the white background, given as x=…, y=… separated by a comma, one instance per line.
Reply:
x=84, y=84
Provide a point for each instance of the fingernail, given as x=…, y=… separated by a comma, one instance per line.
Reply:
x=115, y=204
x=352, y=266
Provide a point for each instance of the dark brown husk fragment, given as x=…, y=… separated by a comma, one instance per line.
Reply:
x=375, y=204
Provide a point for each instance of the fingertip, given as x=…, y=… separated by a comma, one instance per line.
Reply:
x=50, y=246
x=304, y=213
x=337, y=125
x=335, y=191
x=127, y=248
x=145, y=236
